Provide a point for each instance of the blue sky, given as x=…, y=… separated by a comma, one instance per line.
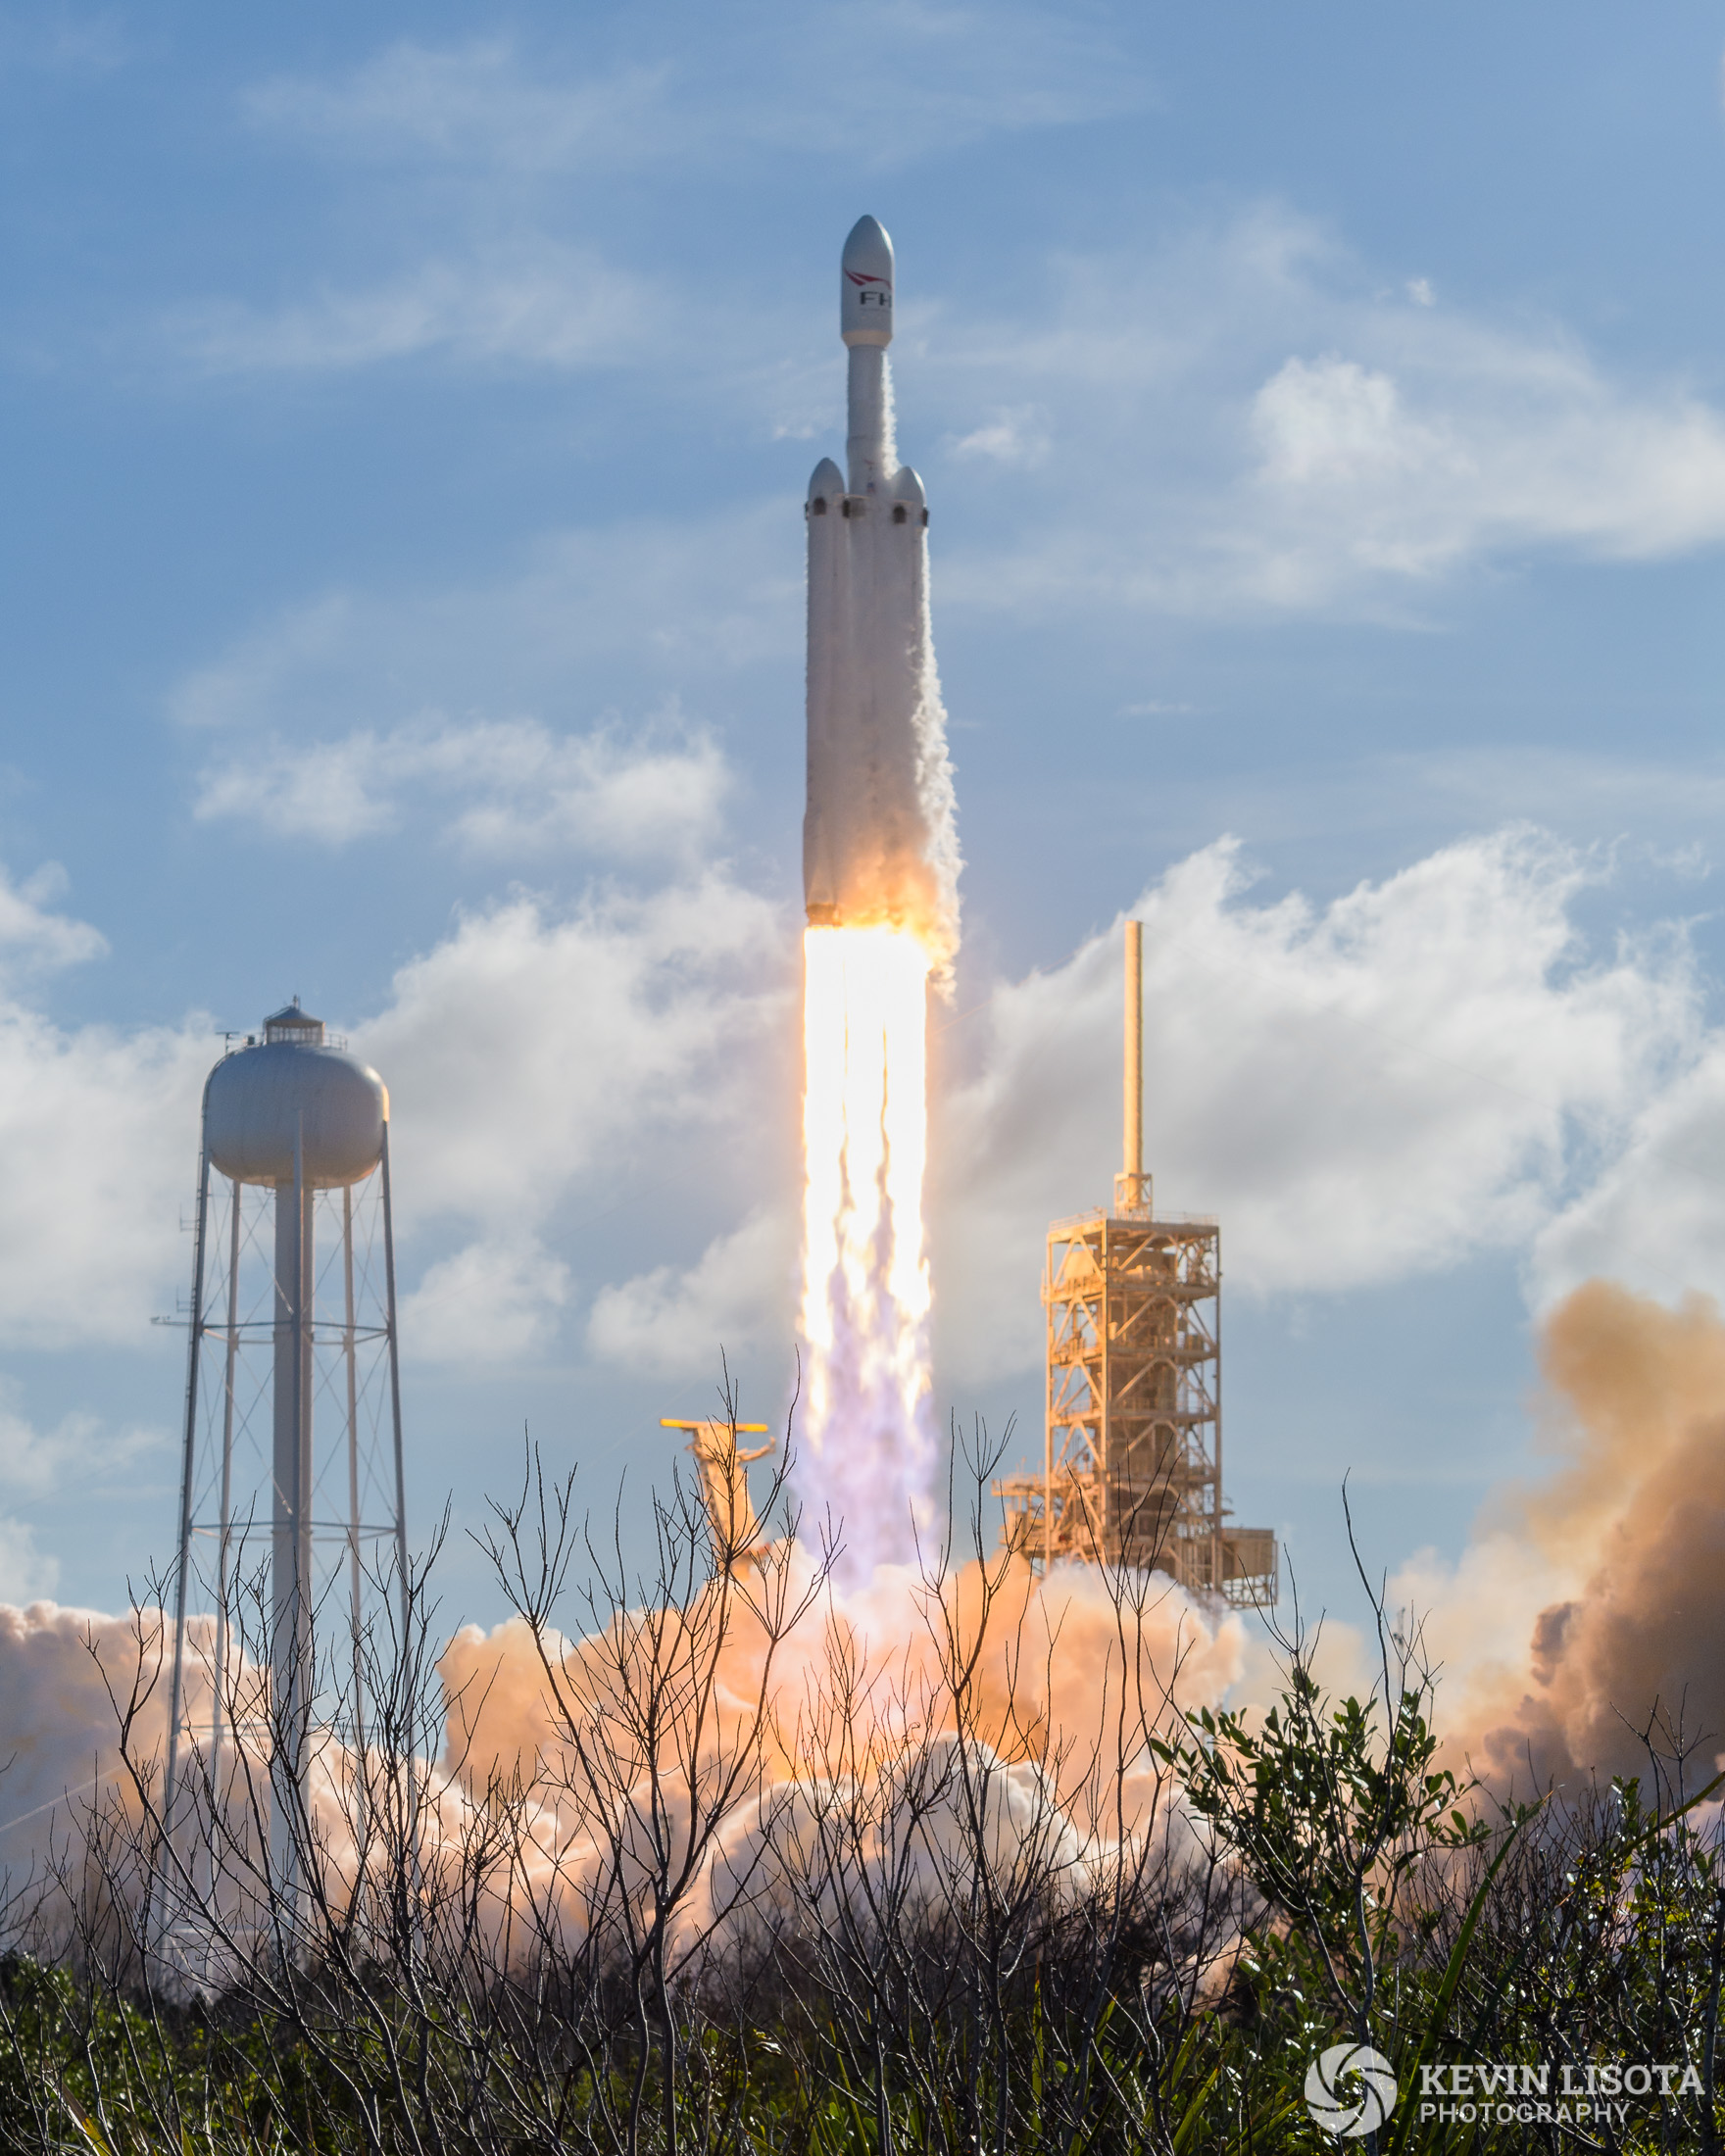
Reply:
x=404, y=423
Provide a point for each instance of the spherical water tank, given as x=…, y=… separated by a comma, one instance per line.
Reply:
x=292, y=1085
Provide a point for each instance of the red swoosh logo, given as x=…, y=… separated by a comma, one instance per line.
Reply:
x=862, y=276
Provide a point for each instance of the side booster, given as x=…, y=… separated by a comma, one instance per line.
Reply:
x=876, y=830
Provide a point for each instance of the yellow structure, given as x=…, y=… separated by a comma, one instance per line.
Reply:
x=725, y=1488
x=1133, y=1449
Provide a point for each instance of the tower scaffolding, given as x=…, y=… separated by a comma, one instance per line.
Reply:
x=1132, y=1471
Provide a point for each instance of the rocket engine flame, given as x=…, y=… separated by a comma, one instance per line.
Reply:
x=872, y=1458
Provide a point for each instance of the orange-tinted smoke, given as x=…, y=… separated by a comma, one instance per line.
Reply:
x=1630, y=1533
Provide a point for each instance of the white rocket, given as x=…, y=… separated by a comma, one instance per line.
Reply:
x=879, y=844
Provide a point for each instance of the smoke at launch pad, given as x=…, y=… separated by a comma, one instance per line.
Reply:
x=1578, y=1605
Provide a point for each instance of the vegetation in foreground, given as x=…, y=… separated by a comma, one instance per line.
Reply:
x=908, y=1951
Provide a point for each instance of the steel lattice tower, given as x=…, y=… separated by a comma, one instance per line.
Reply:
x=1132, y=1471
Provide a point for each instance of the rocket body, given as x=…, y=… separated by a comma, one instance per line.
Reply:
x=880, y=847
x=881, y=870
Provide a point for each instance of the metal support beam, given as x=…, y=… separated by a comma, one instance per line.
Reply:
x=224, y=1518
x=290, y=1646
x=183, y=1559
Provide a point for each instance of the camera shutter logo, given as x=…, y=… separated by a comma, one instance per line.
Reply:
x=1349, y=2114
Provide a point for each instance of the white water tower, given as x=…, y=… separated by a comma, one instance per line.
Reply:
x=293, y=1394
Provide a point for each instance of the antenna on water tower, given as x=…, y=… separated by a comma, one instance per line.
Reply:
x=298, y=1311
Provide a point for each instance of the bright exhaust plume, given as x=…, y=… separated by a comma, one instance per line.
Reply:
x=870, y=1454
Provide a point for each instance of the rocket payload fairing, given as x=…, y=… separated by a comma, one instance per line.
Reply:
x=879, y=841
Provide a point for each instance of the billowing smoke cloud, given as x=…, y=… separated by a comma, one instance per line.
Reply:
x=58, y=1728
x=1061, y=1678
x=1050, y=1668
x=1592, y=1605
x=1589, y=1607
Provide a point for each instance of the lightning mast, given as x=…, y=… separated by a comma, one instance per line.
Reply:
x=1132, y=1470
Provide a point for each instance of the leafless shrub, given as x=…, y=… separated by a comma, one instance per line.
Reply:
x=745, y=1852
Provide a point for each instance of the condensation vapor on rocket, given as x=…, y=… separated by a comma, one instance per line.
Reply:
x=879, y=844
x=880, y=871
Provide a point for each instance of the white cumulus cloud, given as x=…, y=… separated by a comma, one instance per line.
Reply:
x=1242, y=420
x=662, y=600
x=927, y=76
x=503, y=786
x=1011, y=437
x=98, y=1130
x=1427, y=1067
x=33, y=937
x=26, y=1573
x=535, y=302
x=740, y=1292
x=536, y=1045
x=494, y=1301
x=481, y=100
x=1654, y=1220
x=35, y=1462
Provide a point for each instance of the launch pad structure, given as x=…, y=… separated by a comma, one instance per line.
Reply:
x=1132, y=1468
x=719, y=1464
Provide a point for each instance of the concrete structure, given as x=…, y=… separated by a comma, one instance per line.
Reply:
x=1132, y=1470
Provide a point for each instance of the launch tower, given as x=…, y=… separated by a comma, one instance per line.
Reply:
x=1132, y=1468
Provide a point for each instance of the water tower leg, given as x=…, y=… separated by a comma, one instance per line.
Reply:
x=184, y=1562
x=224, y=1529
x=405, y=1649
x=355, y=1615
x=290, y=1645
x=305, y=1389
x=401, y=1500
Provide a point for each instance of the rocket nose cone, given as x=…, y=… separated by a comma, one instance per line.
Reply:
x=866, y=284
x=826, y=489
x=868, y=249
